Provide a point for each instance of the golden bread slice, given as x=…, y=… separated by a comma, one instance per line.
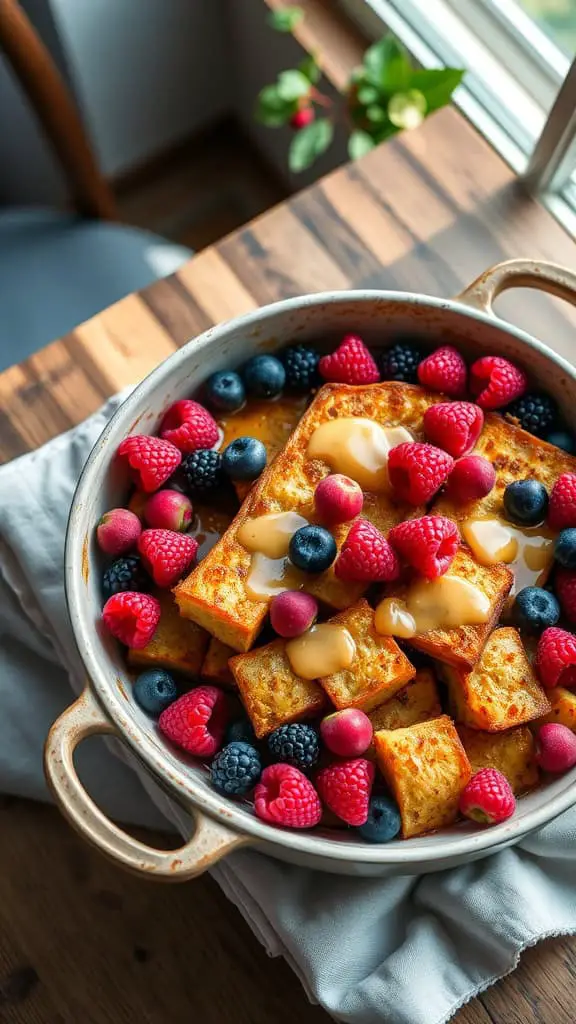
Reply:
x=270, y=692
x=379, y=670
x=418, y=701
x=512, y=752
x=463, y=645
x=178, y=644
x=426, y=767
x=271, y=422
x=501, y=690
x=515, y=455
x=215, y=665
x=214, y=595
x=563, y=708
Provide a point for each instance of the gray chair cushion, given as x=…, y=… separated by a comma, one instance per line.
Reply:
x=57, y=270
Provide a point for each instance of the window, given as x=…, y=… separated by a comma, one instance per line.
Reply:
x=520, y=86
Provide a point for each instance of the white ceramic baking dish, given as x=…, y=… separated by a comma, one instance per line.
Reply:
x=106, y=706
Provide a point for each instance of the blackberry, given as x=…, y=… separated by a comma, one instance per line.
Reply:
x=535, y=412
x=301, y=365
x=202, y=471
x=295, y=744
x=400, y=362
x=125, y=574
x=236, y=769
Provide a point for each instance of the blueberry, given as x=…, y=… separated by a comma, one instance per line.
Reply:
x=264, y=376
x=154, y=690
x=565, y=548
x=236, y=769
x=401, y=361
x=562, y=439
x=301, y=365
x=241, y=730
x=312, y=548
x=536, y=412
x=124, y=574
x=201, y=471
x=526, y=502
x=224, y=391
x=535, y=609
x=244, y=458
x=295, y=744
x=383, y=822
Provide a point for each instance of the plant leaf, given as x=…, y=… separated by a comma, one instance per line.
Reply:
x=388, y=66
x=309, y=143
x=271, y=109
x=310, y=69
x=359, y=144
x=285, y=19
x=292, y=85
x=376, y=114
x=367, y=94
x=407, y=109
x=437, y=85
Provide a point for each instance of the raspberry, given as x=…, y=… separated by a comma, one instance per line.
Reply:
x=196, y=721
x=151, y=459
x=454, y=426
x=295, y=744
x=555, y=748
x=132, y=618
x=444, y=370
x=118, y=531
x=166, y=555
x=338, y=499
x=417, y=471
x=189, y=426
x=472, y=478
x=345, y=787
x=351, y=363
x=284, y=796
x=366, y=556
x=488, y=798
x=562, y=507
x=495, y=382
x=168, y=510
x=555, y=660
x=428, y=544
x=565, y=589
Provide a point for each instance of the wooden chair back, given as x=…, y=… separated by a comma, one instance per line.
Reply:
x=55, y=110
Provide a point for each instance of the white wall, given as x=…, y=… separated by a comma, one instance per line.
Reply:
x=147, y=72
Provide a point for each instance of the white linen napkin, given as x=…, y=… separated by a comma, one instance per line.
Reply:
x=405, y=950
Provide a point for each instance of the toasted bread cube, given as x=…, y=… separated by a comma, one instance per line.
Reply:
x=271, y=423
x=426, y=767
x=379, y=668
x=177, y=645
x=563, y=708
x=501, y=690
x=418, y=701
x=215, y=667
x=270, y=692
x=463, y=645
x=214, y=595
x=512, y=752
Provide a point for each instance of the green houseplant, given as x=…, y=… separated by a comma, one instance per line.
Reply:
x=384, y=95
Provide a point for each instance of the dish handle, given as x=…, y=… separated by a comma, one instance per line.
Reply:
x=211, y=840
x=546, y=277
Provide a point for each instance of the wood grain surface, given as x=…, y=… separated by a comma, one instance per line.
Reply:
x=80, y=940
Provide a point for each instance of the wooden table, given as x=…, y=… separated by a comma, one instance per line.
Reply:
x=80, y=940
